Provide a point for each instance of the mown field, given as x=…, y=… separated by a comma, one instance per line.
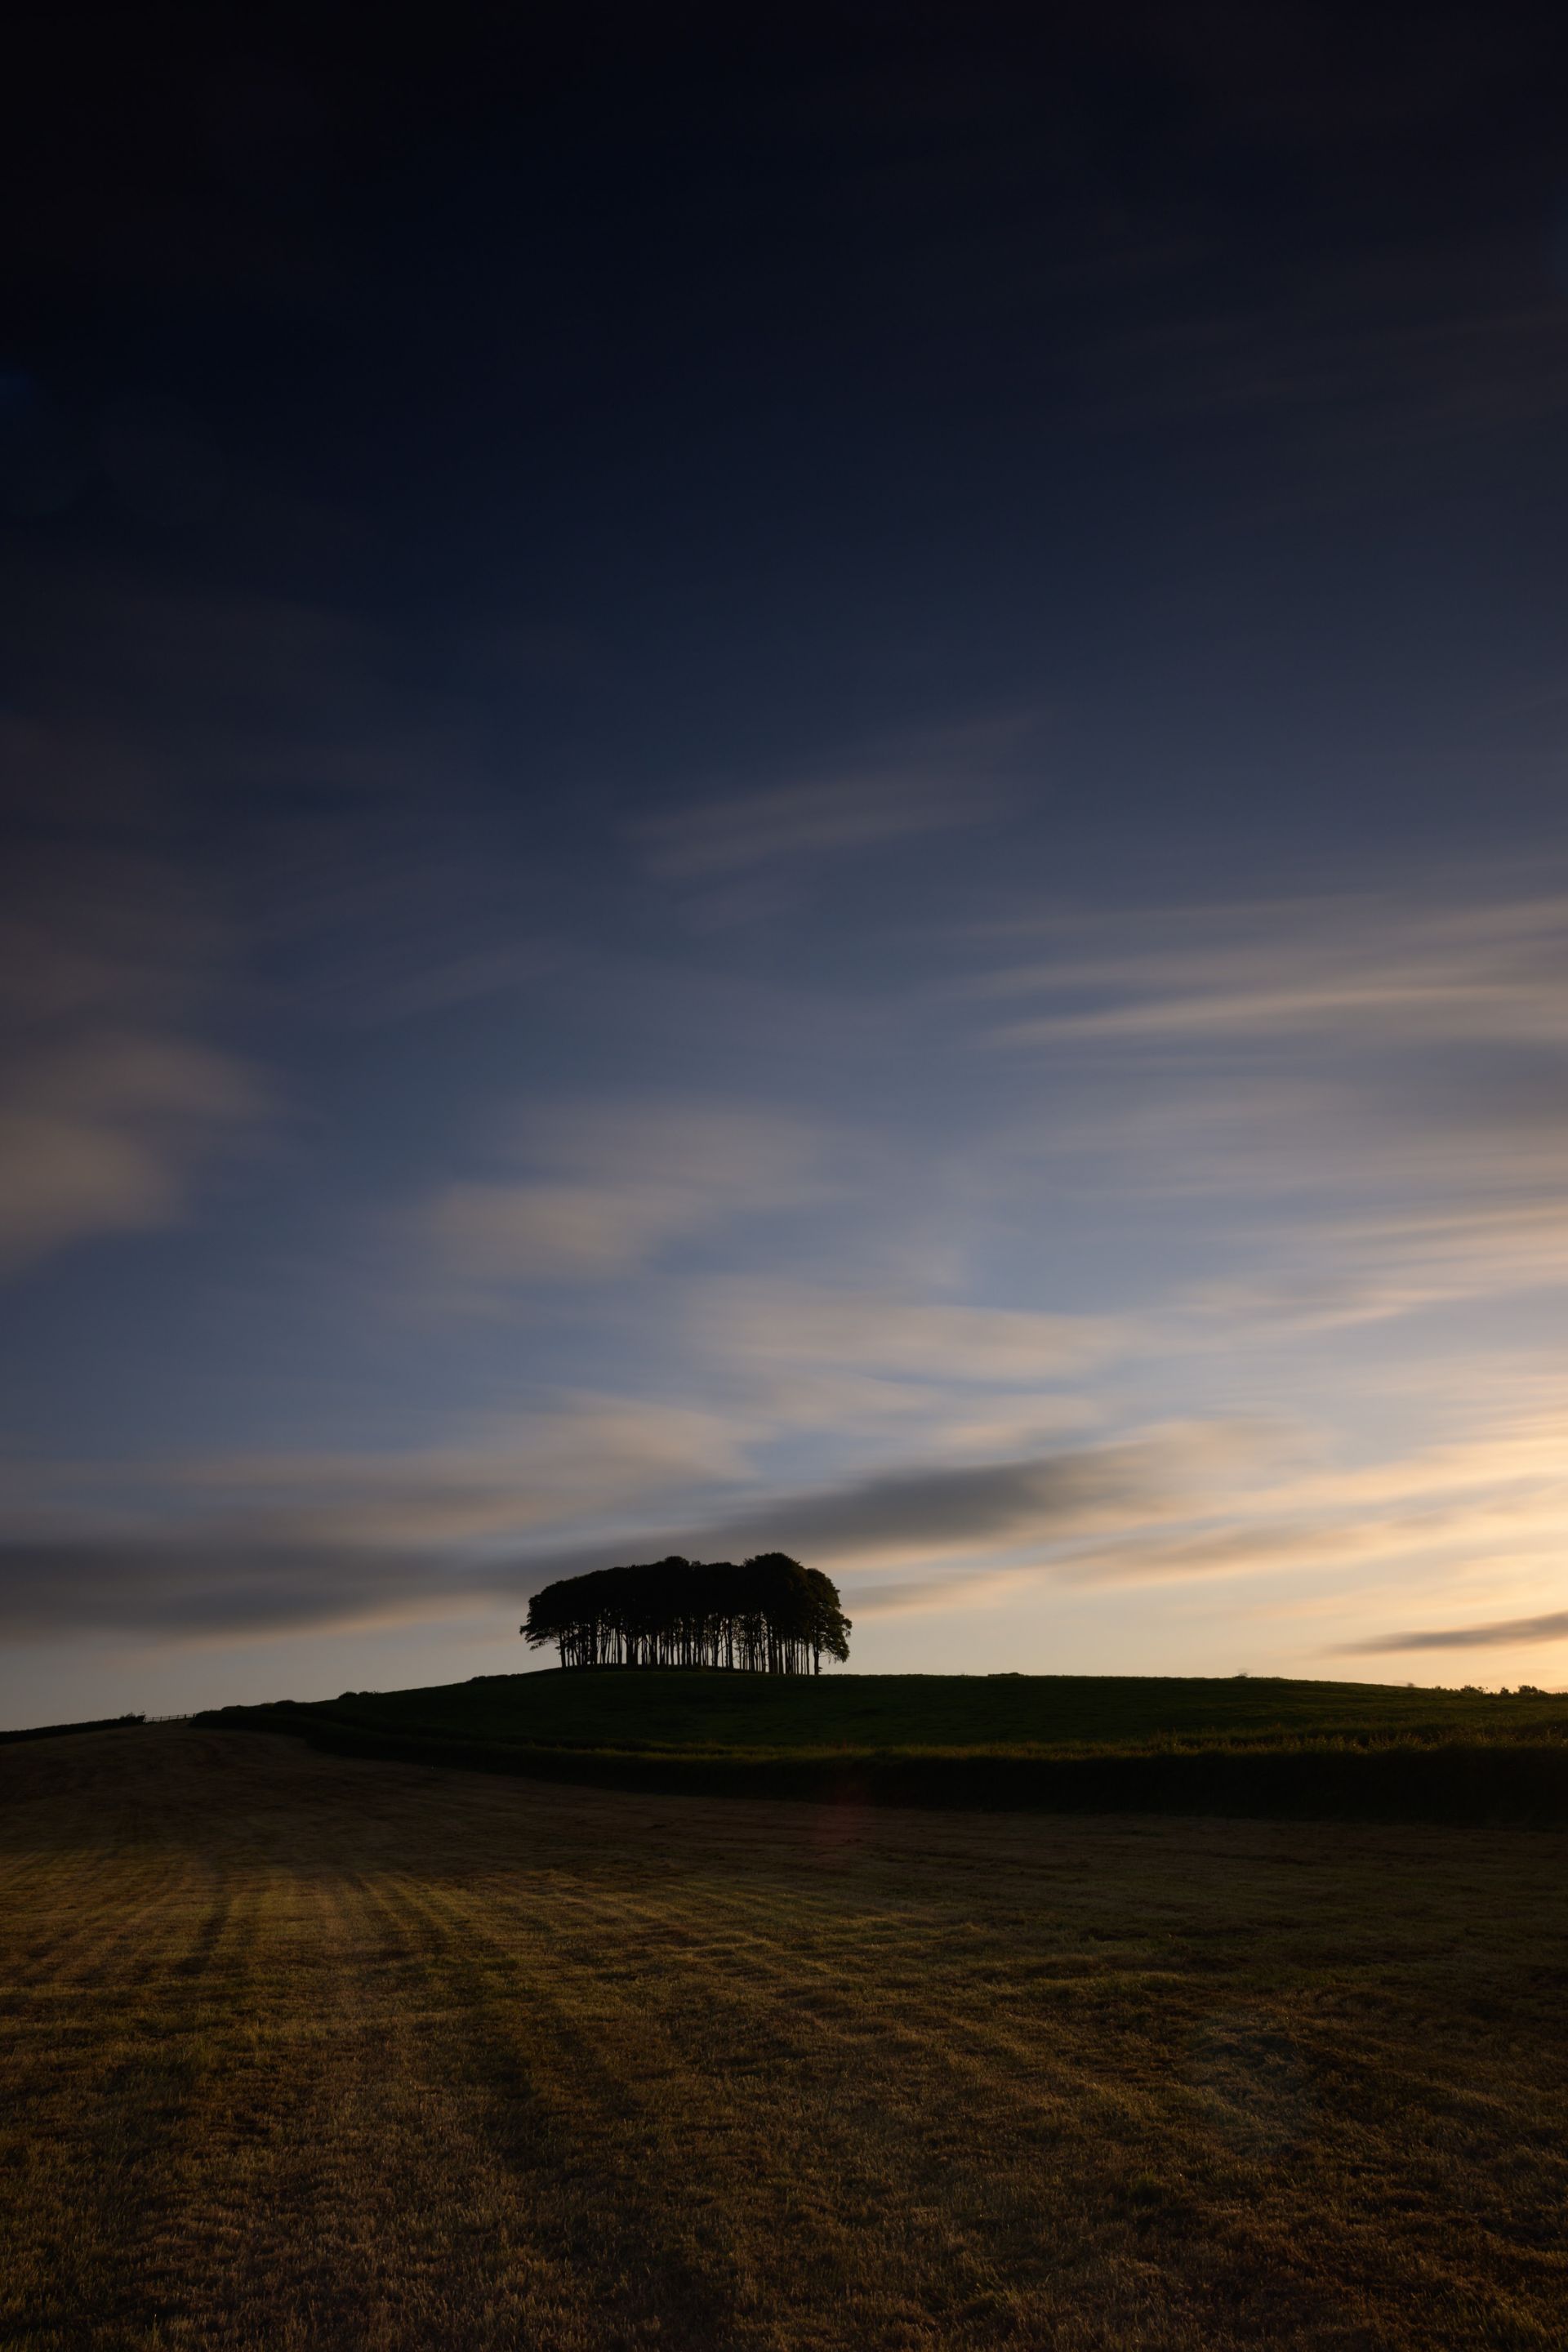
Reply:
x=306, y=2051
x=1260, y=1748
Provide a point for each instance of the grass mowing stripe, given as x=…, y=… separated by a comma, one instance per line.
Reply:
x=410, y=2060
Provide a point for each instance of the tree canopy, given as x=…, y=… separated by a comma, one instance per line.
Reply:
x=769, y=1615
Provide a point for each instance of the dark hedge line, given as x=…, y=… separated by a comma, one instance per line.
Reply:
x=1476, y=1782
x=60, y=1730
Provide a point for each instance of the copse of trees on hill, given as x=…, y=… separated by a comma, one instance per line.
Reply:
x=769, y=1616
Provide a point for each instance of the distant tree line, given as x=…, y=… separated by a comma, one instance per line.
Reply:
x=767, y=1616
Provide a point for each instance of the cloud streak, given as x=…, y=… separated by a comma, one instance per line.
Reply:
x=1502, y=1634
x=302, y=1542
x=950, y=782
x=934, y=1596
x=918, y=1513
x=266, y=1543
x=188, y=1587
x=714, y=839
x=610, y=1189
x=1367, y=973
x=777, y=1323
x=112, y=1108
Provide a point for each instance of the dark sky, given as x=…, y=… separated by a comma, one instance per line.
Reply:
x=782, y=777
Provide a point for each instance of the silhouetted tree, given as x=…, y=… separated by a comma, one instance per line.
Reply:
x=770, y=1615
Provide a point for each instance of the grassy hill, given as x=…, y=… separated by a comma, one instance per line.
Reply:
x=699, y=1707
x=1046, y=1741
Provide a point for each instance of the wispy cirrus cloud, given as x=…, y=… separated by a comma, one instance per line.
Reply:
x=776, y=1323
x=720, y=837
x=157, y=722
x=110, y=1133
x=113, y=1104
x=1333, y=1273
x=931, y=784
x=605, y=1189
x=1365, y=973
x=1376, y=1081
x=934, y=1596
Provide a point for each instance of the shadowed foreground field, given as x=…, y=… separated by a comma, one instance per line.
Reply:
x=305, y=2051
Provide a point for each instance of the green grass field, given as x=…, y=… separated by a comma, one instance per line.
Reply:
x=1071, y=1742
x=302, y=2050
